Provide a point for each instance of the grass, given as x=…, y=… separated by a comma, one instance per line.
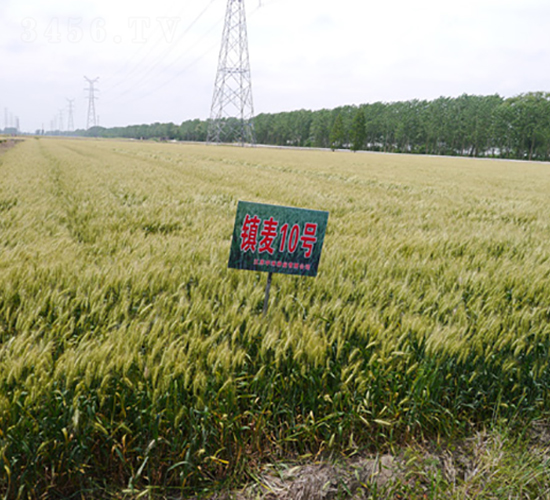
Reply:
x=132, y=358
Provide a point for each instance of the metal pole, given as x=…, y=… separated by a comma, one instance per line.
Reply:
x=267, y=290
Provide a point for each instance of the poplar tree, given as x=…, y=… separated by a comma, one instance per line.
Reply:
x=358, y=131
x=337, y=133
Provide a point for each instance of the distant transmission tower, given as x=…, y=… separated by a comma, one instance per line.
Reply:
x=60, y=120
x=91, y=121
x=70, y=119
x=232, y=112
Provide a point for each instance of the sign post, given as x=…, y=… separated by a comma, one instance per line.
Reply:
x=267, y=290
x=277, y=239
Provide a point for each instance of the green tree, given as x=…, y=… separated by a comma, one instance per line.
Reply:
x=337, y=133
x=358, y=132
x=320, y=128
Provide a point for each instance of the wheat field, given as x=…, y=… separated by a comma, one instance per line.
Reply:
x=132, y=358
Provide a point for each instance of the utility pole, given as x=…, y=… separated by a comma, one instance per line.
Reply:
x=91, y=120
x=70, y=120
x=6, y=124
x=232, y=112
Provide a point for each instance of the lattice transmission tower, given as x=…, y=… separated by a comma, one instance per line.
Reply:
x=70, y=119
x=232, y=112
x=91, y=121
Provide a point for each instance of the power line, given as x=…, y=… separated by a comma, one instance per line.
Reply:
x=232, y=109
x=140, y=49
x=173, y=77
x=152, y=70
x=159, y=61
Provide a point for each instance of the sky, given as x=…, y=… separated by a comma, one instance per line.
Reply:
x=156, y=60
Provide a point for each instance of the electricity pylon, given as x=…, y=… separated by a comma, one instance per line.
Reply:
x=232, y=112
x=92, y=119
x=61, y=120
x=70, y=120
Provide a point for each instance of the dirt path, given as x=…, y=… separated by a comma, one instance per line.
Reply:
x=487, y=465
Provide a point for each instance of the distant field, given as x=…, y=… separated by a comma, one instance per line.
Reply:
x=130, y=356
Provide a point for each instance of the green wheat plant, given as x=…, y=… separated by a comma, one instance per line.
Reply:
x=132, y=358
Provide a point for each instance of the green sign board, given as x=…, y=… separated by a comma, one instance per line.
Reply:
x=277, y=239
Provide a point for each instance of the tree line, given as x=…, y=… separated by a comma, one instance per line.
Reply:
x=469, y=125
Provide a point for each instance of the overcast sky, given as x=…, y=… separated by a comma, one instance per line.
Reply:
x=156, y=60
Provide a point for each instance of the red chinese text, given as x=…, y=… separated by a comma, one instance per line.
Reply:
x=290, y=237
x=269, y=233
x=249, y=233
x=308, y=239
